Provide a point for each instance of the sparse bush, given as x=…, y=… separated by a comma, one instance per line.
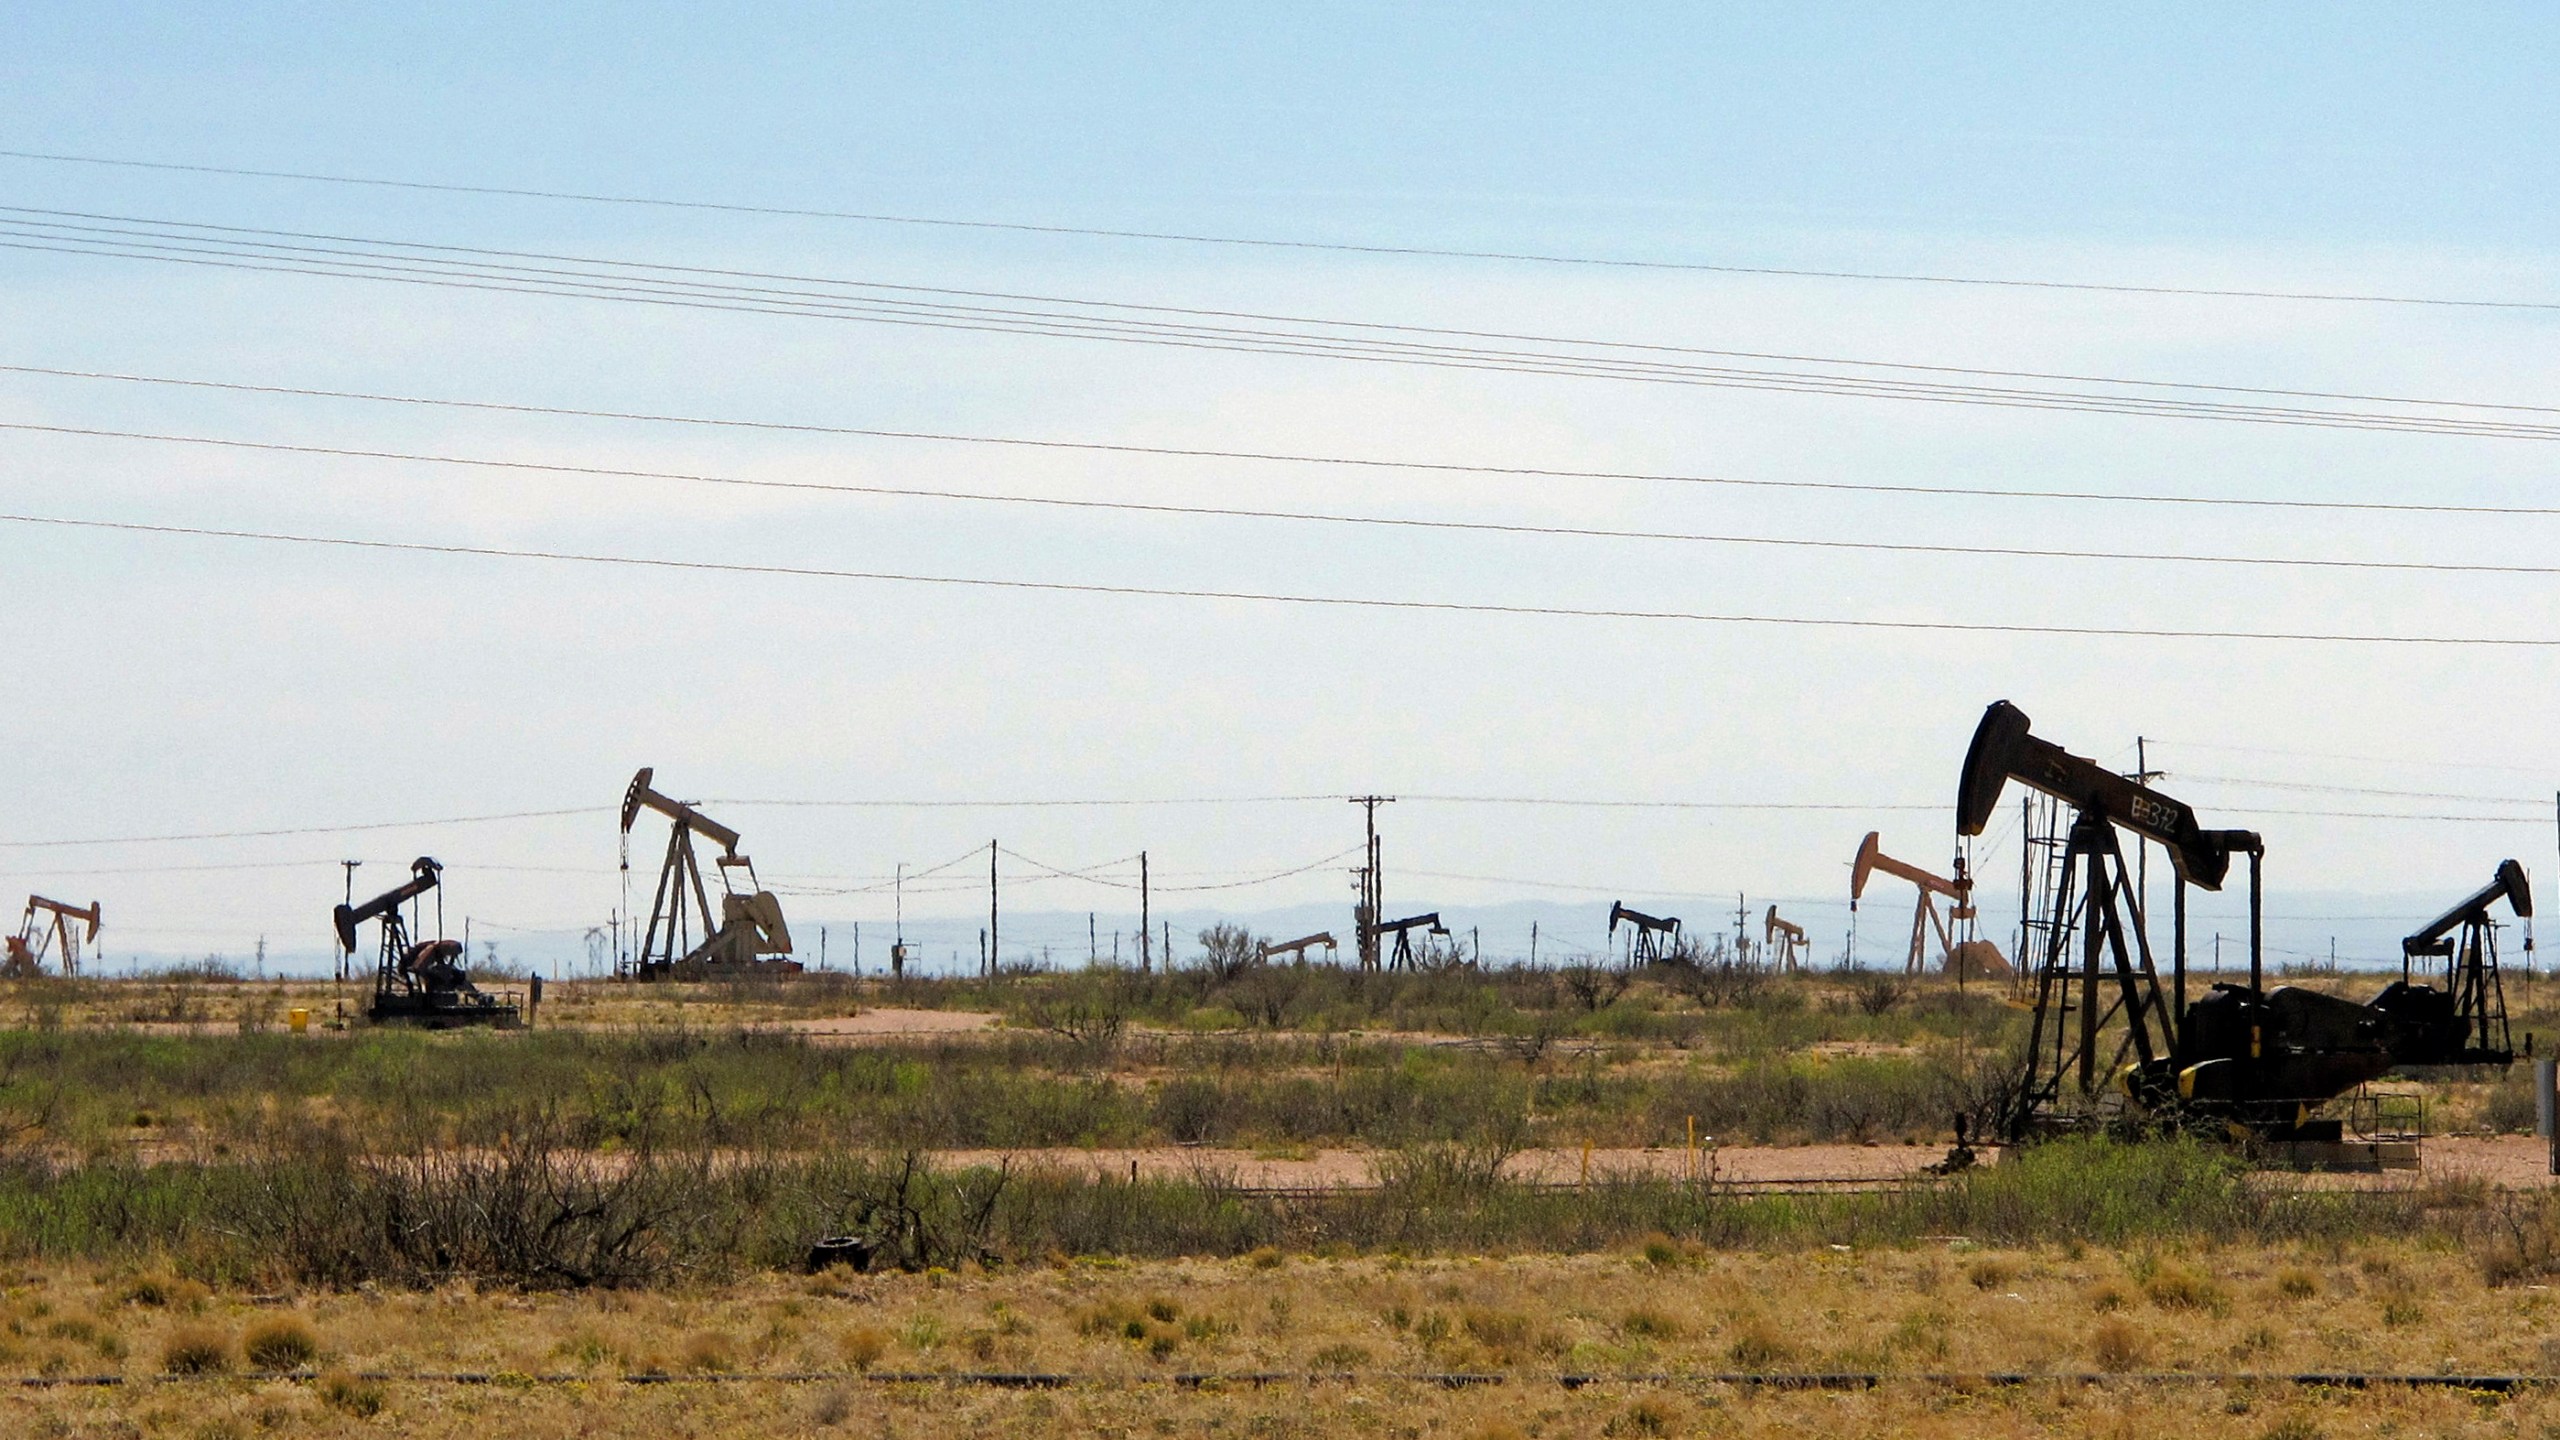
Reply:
x=1758, y=1342
x=280, y=1342
x=2296, y=1283
x=2173, y=1286
x=1990, y=1273
x=1646, y=1323
x=357, y=1397
x=195, y=1350
x=2116, y=1345
x=1876, y=993
x=863, y=1345
x=1654, y=1415
x=710, y=1352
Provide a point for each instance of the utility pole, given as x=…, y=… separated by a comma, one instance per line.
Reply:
x=898, y=927
x=2143, y=774
x=1371, y=906
x=857, y=949
x=351, y=904
x=1145, y=921
x=991, y=909
x=1533, y=944
x=1092, y=940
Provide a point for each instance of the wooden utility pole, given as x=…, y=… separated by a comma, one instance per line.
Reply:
x=1144, y=920
x=2143, y=774
x=991, y=909
x=1371, y=906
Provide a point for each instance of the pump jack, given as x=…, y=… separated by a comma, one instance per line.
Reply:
x=2256, y=1063
x=1401, y=956
x=422, y=983
x=27, y=949
x=1979, y=957
x=1297, y=949
x=750, y=926
x=2466, y=1022
x=1654, y=935
x=1785, y=940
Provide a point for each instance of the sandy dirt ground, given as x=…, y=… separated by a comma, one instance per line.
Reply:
x=887, y=1024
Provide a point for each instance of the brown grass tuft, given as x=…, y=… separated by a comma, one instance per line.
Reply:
x=280, y=1342
x=196, y=1350
x=710, y=1352
x=2117, y=1346
x=344, y=1392
x=1758, y=1342
x=863, y=1345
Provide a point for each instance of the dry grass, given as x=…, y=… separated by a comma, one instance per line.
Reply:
x=1132, y=1326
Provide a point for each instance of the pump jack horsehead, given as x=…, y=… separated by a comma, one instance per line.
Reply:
x=749, y=927
x=53, y=935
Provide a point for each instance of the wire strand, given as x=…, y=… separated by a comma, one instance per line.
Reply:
x=1285, y=244
x=1265, y=597
x=1273, y=457
x=1470, y=527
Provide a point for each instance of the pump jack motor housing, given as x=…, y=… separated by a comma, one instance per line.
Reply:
x=2104, y=1039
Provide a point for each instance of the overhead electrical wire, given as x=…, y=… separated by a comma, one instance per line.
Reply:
x=2360, y=790
x=1479, y=527
x=1275, y=457
x=1286, y=244
x=2401, y=760
x=308, y=829
x=1189, y=328
x=1269, y=597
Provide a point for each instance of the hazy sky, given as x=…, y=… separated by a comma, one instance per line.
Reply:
x=167, y=685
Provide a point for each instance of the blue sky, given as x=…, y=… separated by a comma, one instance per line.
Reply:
x=213, y=685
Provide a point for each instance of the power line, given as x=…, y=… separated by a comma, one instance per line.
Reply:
x=309, y=829
x=1446, y=607
x=1274, y=457
x=1366, y=341
x=1585, y=532
x=2361, y=790
x=1277, y=243
x=2361, y=759
x=1076, y=804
